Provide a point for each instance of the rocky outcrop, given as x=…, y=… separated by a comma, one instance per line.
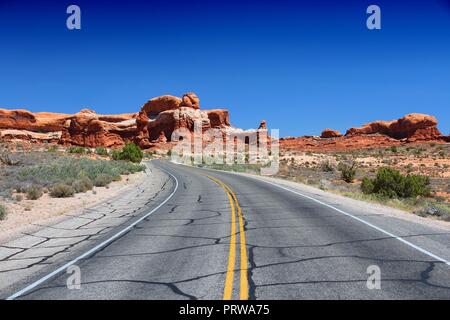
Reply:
x=153, y=124
x=218, y=118
x=86, y=129
x=329, y=133
x=37, y=122
x=262, y=125
x=186, y=116
x=30, y=136
x=343, y=143
x=190, y=100
x=157, y=105
x=413, y=127
x=408, y=129
x=183, y=117
x=161, y=139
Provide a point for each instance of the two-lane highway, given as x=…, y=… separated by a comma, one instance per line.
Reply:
x=227, y=236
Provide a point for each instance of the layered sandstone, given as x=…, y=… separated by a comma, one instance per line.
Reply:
x=408, y=129
x=154, y=124
x=157, y=119
x=329, y=133
x=413, y=127
x=157, y=105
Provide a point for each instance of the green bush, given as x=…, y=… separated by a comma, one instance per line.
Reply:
x=367, y=186
x=34, y=192
x=62, y=190
x=326, y=166
x=102, y=180
x=52, y=149
x=130, y=152
x=47, y=169
x=391, y=183
x=83, y=184
x=101, y=151
x=348, y=172
x=2, y=213
x=76, y=149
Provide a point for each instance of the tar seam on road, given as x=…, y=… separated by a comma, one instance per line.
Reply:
x=96, y=248
x=229, y=279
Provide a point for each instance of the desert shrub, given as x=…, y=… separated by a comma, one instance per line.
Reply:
x=416, y=185
x=101, y=151
x=394, y=149
x=18, y=197
x=130, y=152
x=62, y=190
x=149, y=155
x=348, y=172
x=76, y=149
x=52, y=148
x=367, y=186
x=6, y=159
x=102, y=180
x=34, y=192
x=391, y=183
x=326, y=166
x=67, y=170
x=83, y=184
x=47, y=169
x=116, y=178
x=115, y=154
x=409, y=167
x=2, y=212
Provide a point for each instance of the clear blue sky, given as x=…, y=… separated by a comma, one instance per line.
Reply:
x=302, y=67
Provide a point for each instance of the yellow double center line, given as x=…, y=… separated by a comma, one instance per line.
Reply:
x=229, y=279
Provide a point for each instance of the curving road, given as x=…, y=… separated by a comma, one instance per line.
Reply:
x=220, y=235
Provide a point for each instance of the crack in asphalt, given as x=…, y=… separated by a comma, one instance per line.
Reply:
x=202, y=216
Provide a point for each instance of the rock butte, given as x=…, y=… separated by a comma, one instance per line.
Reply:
x=412, y=128
x=153, y=125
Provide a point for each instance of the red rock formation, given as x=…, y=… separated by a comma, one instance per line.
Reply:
x=378, y=134
x=154, y=124
x=141, y=138
x=343, y=143
x=157, y=105
x=171, y=120
x=190, y=100
x=262, y=125
x=30, y=136
x=186, y=116
x=156, y=121
x=161, y=139
x=85, y=129
x=329, y=133
x=25, y=120
x=218, y=118
x=413, y=127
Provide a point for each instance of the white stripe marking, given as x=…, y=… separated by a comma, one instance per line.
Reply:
x=96, y=248
x=348, y=215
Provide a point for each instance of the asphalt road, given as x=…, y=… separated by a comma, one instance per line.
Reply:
x=221, y=235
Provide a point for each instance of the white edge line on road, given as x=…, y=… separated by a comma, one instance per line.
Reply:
x=344, y=213
x=96, y=248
